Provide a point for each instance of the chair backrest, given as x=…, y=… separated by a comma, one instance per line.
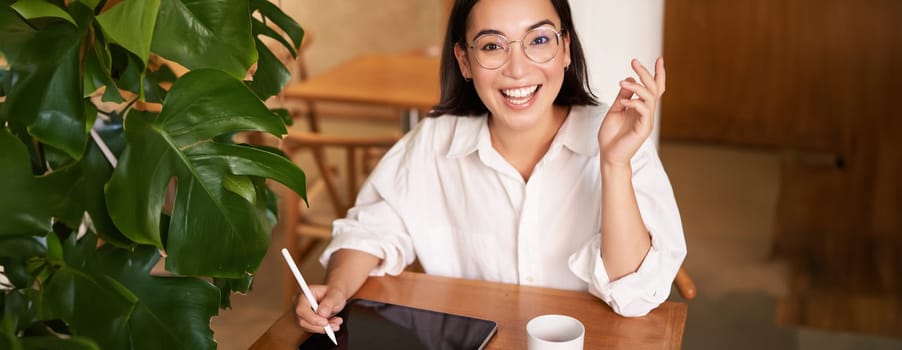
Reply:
x=360, y=156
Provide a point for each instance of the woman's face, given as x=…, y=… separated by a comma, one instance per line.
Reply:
x=521, y=92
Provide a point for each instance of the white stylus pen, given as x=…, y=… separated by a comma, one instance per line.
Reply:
x=306, y=290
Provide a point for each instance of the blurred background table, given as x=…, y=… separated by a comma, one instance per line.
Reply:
x=408, y=81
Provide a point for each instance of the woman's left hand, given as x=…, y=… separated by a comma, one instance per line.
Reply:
x=630, y=121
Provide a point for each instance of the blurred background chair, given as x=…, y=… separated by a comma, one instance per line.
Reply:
x=684, y=284
x=342, y=163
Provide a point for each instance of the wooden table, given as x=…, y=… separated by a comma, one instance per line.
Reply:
x=407, y=81
x=511, y=306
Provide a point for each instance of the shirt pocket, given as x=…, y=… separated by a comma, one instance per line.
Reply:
x=453, y=252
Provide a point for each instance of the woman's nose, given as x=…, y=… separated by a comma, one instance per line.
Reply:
x=517, y=63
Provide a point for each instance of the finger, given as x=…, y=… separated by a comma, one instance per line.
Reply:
x=626, y=93
x=638, y=106
x=321, y=294
x=311, y=328
x=335, y=323
x=660, y=76
x=623, y=94
x=306, y=316
x=331, y=304
x=311, y=320
x=645, y=115
x=642, y=91
x=644, y=75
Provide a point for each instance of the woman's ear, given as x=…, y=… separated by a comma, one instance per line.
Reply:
x=566, y=39
x=462, y=62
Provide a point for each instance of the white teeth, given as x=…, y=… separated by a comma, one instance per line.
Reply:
x=518, y=101
x=520, y=92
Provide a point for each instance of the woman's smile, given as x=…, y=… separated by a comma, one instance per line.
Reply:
x=520, y=97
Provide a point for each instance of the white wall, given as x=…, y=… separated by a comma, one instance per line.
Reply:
x=613, y=32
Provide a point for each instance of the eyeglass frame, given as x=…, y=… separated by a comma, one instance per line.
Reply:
x=557, y=37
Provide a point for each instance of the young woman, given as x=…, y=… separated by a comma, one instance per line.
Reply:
x=520, y=177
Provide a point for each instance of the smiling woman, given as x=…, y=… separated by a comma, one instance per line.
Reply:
x=521, y=176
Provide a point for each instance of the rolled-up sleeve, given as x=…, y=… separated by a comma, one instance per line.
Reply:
x=375, y=227
x=639, y=292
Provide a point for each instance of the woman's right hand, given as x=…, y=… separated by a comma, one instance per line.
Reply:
x=331, y=301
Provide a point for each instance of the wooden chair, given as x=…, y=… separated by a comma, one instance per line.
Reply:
x=684, y=284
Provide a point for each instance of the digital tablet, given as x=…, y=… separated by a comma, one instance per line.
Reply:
x=376, y=325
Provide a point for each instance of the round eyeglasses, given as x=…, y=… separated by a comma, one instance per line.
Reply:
x=492, y=51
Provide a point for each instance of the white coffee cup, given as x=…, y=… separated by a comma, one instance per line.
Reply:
x=555, y=332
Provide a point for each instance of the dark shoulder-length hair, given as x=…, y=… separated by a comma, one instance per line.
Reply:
x=459, y=97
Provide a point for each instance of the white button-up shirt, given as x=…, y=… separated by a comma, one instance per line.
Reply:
x=444, y=195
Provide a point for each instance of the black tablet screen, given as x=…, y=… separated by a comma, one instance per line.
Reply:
x=375, y=325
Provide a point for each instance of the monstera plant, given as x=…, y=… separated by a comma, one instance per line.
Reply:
x=128, y=214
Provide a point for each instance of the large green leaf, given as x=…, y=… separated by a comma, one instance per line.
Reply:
x=14, y=32
x=287, y=24
x=130, y=25
x=37, y=8
x=85, y=193
x=14, y=252
x=49, y=342
x=29, y=201
x=208, y=217
x=172, y=312
x=108, y=295
x=97, y=70
x=271, y=74
x=96, y=308
x=206, y=34
x=21, y=307
x=90, y=3
x=134, y=78
x=229, y=285
x=18, y=312
x=47, y=94
x=260, y=28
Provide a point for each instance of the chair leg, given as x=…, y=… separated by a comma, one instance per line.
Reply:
x=289, y=219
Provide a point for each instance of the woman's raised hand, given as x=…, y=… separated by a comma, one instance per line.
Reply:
x=630, y=120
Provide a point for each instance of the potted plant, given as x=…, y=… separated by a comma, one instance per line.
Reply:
x=92, y=198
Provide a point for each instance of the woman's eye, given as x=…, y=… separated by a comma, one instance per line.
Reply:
x=540, y=40
x=491, y=47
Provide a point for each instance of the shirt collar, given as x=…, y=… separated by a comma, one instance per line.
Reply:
x=580, y=131
x=469, y=133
